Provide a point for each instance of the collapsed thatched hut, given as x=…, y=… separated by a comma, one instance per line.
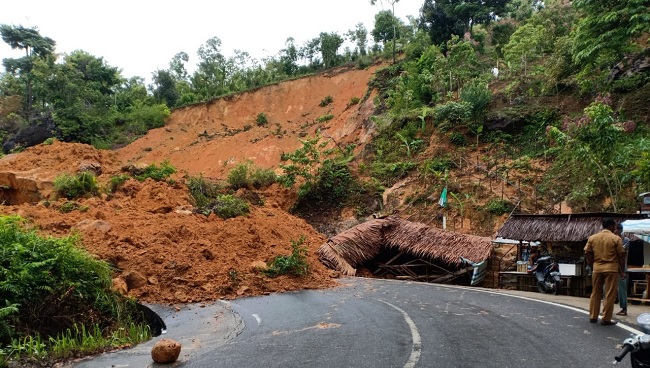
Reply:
x=405, y=249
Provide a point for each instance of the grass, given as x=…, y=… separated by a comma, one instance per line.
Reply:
x=82, y=184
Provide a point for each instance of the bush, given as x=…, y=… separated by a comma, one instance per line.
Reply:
x=261, y=119
x=324, y=118
x=295, y=264
x=48, y=286
x=74, y=186
x=202, y=191
x=157, y=173
x=326, y=101
x=453, y=113
x=143, y=117
x=458, y=139
x=228, y=206
x=498, y=207
x=261, y=178
x=354, y=101
x=116, y=182
x=238, y=176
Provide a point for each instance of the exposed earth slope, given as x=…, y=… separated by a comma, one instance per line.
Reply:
x=161, y=250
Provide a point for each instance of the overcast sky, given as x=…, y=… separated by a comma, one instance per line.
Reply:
x=141, y=36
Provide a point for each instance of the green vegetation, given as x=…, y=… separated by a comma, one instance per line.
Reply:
x=82, y=184
x=157, y=173
x=55, y=282
x=202, y=192
x=326, y=101
x=261, y=119
x=295, y=264
x=228, y=206
x=116, y=182
x=324, y=118
x=247, y=175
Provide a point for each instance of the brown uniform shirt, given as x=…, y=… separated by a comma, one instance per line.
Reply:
x=607, y=248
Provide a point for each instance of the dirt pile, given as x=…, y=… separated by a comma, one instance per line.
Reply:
x=162, y=252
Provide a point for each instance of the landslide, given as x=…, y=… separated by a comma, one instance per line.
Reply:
x=162, y=251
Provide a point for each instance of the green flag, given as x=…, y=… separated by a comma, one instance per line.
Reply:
x=443, y=198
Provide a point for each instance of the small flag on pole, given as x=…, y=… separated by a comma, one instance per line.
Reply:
x=443, y=198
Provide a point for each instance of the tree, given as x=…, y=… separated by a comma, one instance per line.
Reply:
x=329, y=45
x=608, y=29
x=209, y=78
x=165, y=88
x=442, y=19
x=359, y=35
x=35, y=46
x=81, y=91
x=394, y=33
x=289, y=57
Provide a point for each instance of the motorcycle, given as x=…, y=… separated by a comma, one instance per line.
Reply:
x=547, y=272
x=638, y=345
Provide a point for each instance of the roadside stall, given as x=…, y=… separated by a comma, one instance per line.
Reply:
x=638, y=268
x=562, y=236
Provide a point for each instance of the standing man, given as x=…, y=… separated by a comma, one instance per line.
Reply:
x=622, y=282
x=605, y=254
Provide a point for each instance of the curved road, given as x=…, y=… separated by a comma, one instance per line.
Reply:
x=383, y=323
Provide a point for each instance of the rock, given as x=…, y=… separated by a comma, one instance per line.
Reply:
x=242, y=290
x=259, y=266
x=90, y=166
x=98, y=225
x=180, y=296
x=153, y=280
x=207, y=254
x=165, y=351
x=120, y=286
x=135, y=279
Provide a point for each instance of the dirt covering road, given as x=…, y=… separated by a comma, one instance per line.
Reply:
x=161, y=250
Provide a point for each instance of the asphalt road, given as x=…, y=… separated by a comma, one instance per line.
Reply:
x=383, y=323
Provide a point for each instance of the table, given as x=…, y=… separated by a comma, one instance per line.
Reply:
x=571, y=285
x=646, y=272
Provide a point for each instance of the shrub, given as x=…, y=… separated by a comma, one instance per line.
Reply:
x=354, y=101
x=324, y=118
x=457, y=139
x=326, y=101
x=294, y=264
x=202, y=191
x=75, y=186
x=157, y=173
x=48, y=286
x=238, y=177
x=228, y=206
x=116, y=182
x=49, y=141
x=261, y=178
x=261, y=119
x=498, y=207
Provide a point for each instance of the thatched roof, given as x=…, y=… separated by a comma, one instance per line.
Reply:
x=575, y=227
x=353, y=247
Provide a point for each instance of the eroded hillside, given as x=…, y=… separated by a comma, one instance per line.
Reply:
x=161, y=250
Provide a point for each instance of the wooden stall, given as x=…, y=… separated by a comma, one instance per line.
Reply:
x=562, y=236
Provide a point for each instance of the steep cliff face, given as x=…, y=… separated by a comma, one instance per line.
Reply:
x=213, y=137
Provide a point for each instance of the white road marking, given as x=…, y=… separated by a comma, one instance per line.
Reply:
x=620, y=325
x=416, y=349
x=258, y=319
